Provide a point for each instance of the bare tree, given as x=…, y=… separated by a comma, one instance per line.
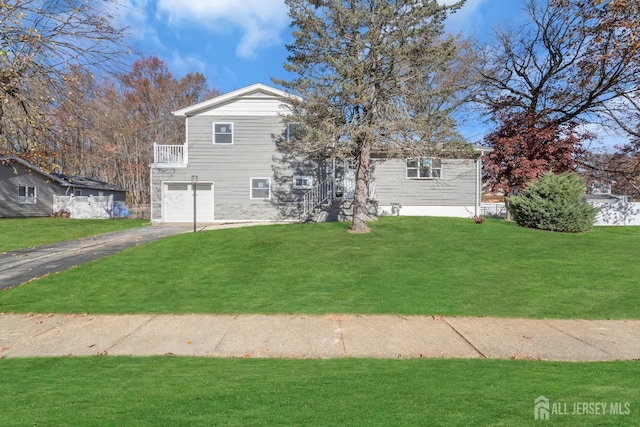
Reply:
x=147, y=96
x=39, y=41
x=572, y=64
x=375, y=76
x=620, y=169
x=568, y=64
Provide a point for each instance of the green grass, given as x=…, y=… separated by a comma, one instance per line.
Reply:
x=405, y=266
x=176, y=391
x=28, y=232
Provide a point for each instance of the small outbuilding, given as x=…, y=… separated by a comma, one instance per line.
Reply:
x=28, y=191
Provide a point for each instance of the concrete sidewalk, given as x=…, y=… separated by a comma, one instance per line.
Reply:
x=331, y=336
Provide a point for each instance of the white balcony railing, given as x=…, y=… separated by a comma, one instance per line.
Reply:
x=170, y=154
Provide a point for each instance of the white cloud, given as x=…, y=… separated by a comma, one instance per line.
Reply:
x=134, y=14
x=260, y=21
x=467, y=19
x=182, y=65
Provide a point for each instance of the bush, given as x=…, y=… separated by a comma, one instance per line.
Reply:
x=479, y=219
x=554, y=202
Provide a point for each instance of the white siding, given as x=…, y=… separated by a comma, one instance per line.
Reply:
x=249, y=107
x=230, y=166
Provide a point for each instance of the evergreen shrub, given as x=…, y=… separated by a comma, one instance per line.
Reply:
x=554, y=202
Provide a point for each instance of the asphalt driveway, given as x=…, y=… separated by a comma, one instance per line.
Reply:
x=21, y=266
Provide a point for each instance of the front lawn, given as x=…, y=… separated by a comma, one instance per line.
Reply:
x=406, y=266
x=18, y=233
x=175, y=391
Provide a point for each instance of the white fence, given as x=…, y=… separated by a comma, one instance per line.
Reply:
x=84, y=207
x=493, y=209
x=620, y=213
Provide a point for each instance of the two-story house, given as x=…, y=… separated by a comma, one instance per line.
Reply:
x=231, y=157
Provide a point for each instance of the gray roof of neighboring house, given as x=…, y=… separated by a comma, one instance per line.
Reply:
x=66, y=180
x=602, y=197
x=95, y=184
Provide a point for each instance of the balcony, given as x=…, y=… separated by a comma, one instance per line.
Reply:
x=170, y=155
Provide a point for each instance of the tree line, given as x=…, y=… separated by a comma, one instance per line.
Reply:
x=375, y=78
x=105, y=128
x=69, y=101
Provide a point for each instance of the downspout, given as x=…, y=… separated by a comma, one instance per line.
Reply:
x=333, y=178
x=185, y=153
x=152, y=196
x=478, y=185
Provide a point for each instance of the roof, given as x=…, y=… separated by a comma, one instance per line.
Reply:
x=602, y=197
x=65, y=180
x=83, y=182
x=482, y=150
x=33, y=167
x=257, y=89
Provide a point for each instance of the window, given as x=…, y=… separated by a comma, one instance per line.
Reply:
x=26, y=194
x=223, y=133
x=260, y=188
x=294, y=132
x=424, y=168
x=302, y=182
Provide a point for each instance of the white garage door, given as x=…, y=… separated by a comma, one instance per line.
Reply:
x=178, y=202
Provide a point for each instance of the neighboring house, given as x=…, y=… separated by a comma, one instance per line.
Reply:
x=613, y=209
x=28, y=191
x=240, y=172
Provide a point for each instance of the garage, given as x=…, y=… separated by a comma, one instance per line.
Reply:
x=178, y=202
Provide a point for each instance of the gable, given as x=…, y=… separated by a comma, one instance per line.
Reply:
x=249, y=106
x=254, y=100
x=14, y=174
x=21, y=167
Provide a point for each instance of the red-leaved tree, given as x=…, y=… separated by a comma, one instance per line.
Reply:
x=527, y=146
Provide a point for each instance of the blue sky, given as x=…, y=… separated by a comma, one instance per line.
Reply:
x=236, y=43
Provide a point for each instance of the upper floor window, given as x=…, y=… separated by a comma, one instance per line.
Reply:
x=424, y=168
x=26, y=194
x=223, y=133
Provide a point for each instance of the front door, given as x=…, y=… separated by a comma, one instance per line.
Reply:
x=349, y=180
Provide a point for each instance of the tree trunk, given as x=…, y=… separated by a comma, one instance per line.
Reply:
x=363, y=165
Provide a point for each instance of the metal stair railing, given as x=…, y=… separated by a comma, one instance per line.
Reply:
x=318, y=195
